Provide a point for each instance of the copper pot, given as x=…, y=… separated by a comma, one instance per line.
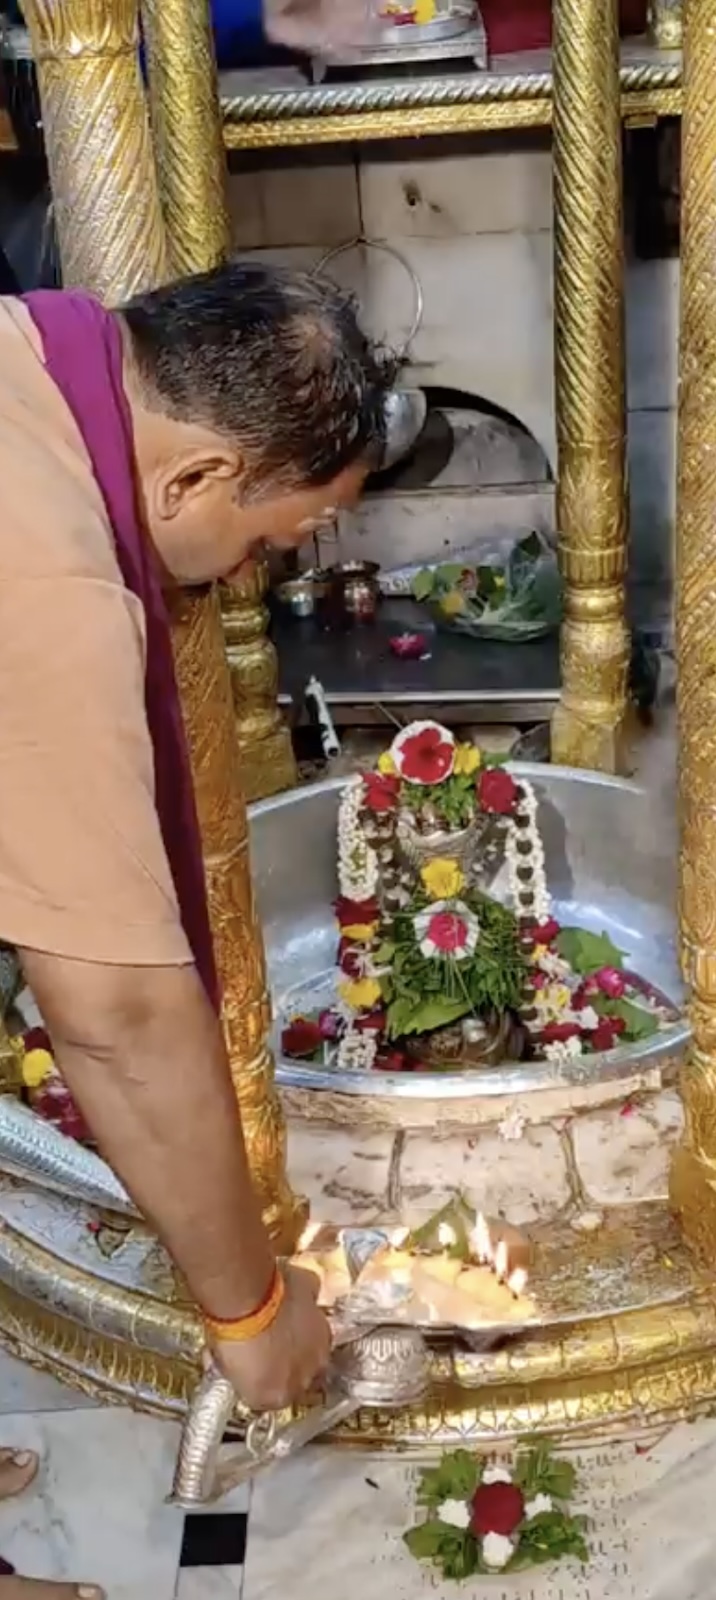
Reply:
x=354, y=589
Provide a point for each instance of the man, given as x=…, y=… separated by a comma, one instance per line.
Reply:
x=164, y=444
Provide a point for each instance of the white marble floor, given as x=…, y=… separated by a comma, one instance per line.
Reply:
x=98, y=1513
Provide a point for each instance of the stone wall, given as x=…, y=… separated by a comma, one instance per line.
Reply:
x=473, y=219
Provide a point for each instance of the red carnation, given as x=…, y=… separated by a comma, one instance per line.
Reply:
x=353, y=913
x=605, y=1036
x=372, y=1022
x=350, y=959
x=497, y=791
x=543, y=932
x=301, y=1038
x=496, y=1508
x=425, y=757
x=381, y=791
x=560, y=1032
x=610, y=981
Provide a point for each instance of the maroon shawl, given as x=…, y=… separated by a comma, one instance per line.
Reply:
x=83, y=353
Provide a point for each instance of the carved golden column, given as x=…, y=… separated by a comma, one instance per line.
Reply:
x=186, y=120
x=98, y=144
x=102, y=167
x=590, y=382
x=207, y=700
x=693, y=1184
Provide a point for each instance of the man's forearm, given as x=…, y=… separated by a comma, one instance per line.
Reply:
x=152, y=1081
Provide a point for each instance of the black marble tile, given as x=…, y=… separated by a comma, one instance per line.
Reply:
x=214, y=1539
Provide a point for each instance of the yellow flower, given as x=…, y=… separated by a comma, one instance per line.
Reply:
x=452, y=603
x=467, y=760
x=360, y=932
x=386, y=765
x=361, y=994
x=37, y=1066
x=539, y=953
x=442, y=878
x=498, y=579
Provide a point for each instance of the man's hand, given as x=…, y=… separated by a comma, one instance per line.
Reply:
x=280, y=1367
x=321, y=27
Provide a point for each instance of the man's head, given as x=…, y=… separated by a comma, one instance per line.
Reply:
x=258, y=408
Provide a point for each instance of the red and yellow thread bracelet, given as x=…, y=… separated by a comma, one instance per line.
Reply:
x=242, y=1329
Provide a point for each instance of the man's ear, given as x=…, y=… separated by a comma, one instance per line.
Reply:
x=191, y=476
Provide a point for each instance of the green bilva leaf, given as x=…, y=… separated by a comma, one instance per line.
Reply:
x=461, y=1557
x=639, y=1023
x=405, y=1016
x=455, y=1478
x=449, y=574
x=423, y=584
x=384, y=953
x=427, y=1539
x=588, y=952
x=553, y=1535
x=459, y=1216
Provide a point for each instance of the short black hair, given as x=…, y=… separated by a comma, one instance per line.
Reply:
x=273, y=359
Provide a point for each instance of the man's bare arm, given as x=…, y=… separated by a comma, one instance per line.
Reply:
x=144, y=1057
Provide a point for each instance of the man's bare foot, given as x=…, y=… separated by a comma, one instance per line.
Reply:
x=17, y=1470
x=35, y=1589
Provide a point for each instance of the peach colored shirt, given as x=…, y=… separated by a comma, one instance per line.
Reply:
x=83, y=870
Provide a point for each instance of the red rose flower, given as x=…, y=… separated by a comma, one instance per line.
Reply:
x=543, y=932
x=372, y=1022
x=496, y=1508
x=409, y=646
x=448, y=931
x=538, y=979
x=381, y=791
x=610, y=981
x=55, y=1104
x=497, y=791
x=425, y=757
x=560, y=1032
x=301, y=1038
x=351, y=913
x=605, y=1036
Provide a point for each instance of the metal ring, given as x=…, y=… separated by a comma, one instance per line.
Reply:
x=261, y=1434
x=389, y=250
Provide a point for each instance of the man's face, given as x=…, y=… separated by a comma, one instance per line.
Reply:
x=206, y=528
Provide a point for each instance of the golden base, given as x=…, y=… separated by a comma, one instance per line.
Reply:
x=654, y=1363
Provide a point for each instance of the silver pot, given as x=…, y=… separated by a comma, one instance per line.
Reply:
x=405, y=413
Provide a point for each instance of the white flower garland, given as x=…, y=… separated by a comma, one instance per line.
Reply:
x=539, y=906
x=357, y=1050
x=357, y=861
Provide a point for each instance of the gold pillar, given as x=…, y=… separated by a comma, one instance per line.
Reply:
x=207, y=700
x=186, y=121
x=102, y=166
x=693, y=1185
x=589, y=382
x=98, y=144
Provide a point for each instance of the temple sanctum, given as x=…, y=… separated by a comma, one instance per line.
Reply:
x=465, y=925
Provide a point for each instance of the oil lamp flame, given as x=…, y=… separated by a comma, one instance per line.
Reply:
x=309, y=1236
x=501, y=1261
x=480, y=1242
x=447, y=1236
x=517, y=1282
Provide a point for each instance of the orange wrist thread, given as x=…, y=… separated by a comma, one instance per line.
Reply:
x=257, y=1322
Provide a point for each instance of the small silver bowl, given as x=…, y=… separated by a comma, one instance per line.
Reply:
x=300, y=595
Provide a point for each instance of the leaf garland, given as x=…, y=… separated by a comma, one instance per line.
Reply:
x=422, y=993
